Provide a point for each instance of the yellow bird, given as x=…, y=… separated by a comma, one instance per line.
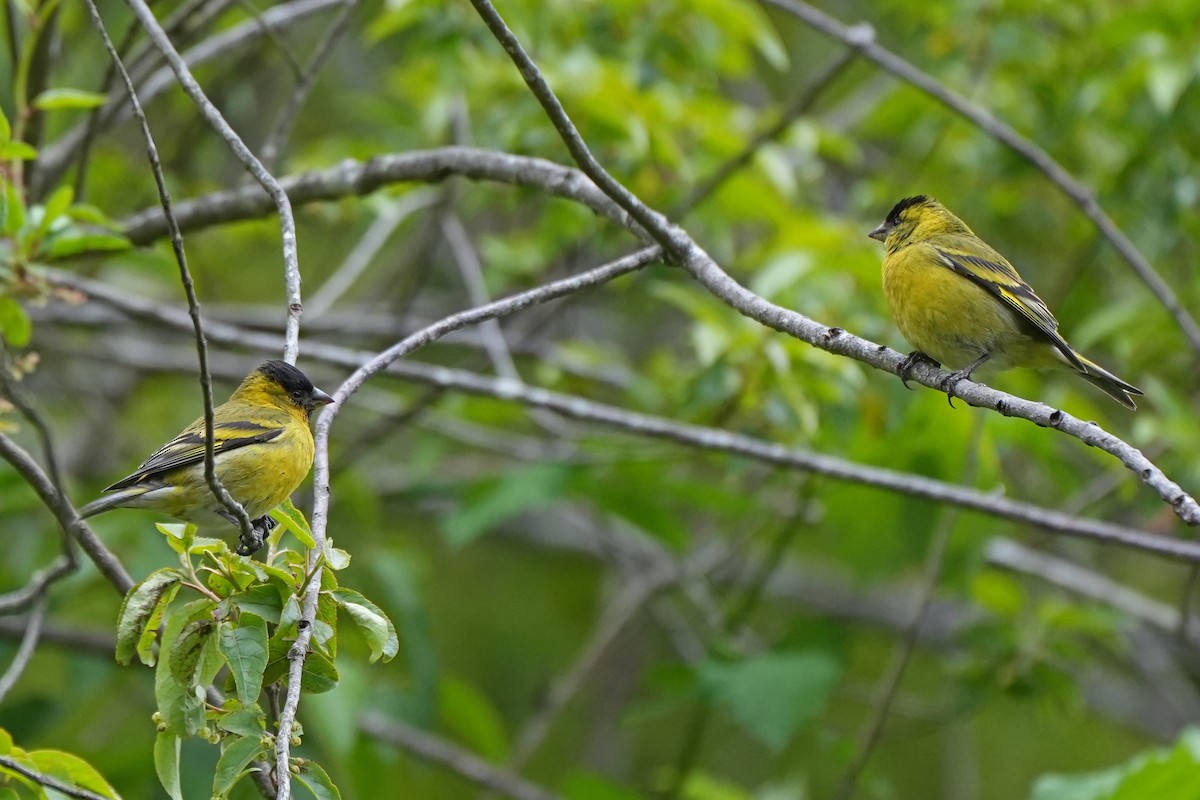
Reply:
x=960, y=303
x=262, y=449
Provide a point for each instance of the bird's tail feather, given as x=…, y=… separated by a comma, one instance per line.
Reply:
x=109, y=501
x=1108, y=383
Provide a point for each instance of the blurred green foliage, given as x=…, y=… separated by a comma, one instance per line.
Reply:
x=497, y=538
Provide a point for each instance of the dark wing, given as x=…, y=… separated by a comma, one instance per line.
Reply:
x=188, y=448
x=994, y=273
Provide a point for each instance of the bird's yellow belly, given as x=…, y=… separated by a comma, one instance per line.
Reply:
x=947, y=316
x=259, y=476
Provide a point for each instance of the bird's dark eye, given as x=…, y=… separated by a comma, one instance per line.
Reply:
x=296, y=394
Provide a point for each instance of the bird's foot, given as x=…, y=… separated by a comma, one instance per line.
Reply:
x=259, y=530
x=951, y=379
x=911, y=360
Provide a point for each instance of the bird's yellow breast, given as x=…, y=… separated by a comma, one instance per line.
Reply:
x=946, y=315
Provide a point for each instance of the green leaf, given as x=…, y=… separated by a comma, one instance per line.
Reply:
x=71, y=769
x=141, y=612
x=293, y=522
x=236, y=754
x=261, y=600
x=58, y=99
x=5, y=128
x=55, y=208
x=75, y=243
x=319, y=675
x=180, y=708
x=317, y=781
x=519, y=490
x=474, y=720
x=773, y=695
x=166, y=763
x=184, y=656
x=244, y=647
x=14, y=218
x=586, y=786
x=18, y=150
x=15, y=326
x=243, y=721
x=370, y=619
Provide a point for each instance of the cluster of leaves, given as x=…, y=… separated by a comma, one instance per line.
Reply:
x=18, y=766
x=244, y=622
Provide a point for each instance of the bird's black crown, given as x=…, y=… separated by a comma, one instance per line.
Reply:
x=917, y=200
x=287, y=376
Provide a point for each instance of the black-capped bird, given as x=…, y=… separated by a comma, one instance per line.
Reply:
x=961, y=304
x=262, y=449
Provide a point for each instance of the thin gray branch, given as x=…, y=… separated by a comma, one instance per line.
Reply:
x=456, y=759
x=1072, y=187
x=48, y=781
x=351, y=177
x=66, y=514
x=286, y=223
x=55, y=159
x=390, y=217
x=33, y=632
x=282, y=128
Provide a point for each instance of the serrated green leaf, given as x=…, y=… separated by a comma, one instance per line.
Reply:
x=142, y=610
x=773, y=694
x=370, y=619
x=317, y=781
x=181, y=711
x=166, y=763
x=58, y=99
x=15, y=326
x=236, y=754
x=244, y=647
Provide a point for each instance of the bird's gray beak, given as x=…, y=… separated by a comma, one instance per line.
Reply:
x=319, y=398
x=881, y=232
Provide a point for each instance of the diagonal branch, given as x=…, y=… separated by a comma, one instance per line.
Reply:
x=680, y=249
x=1072, y=187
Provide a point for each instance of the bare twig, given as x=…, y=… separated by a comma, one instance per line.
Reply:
x=10, y=763
x=461, y=762
x=164, y=196
x=210, y=112
x=796, y=109
x=389, y=218
x=350, y=177
x=33, y=631
x=617, y=615
x=55, y=158
x=1072, y=187
x=889, y=684
x=273, y=146
x=53, y=498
